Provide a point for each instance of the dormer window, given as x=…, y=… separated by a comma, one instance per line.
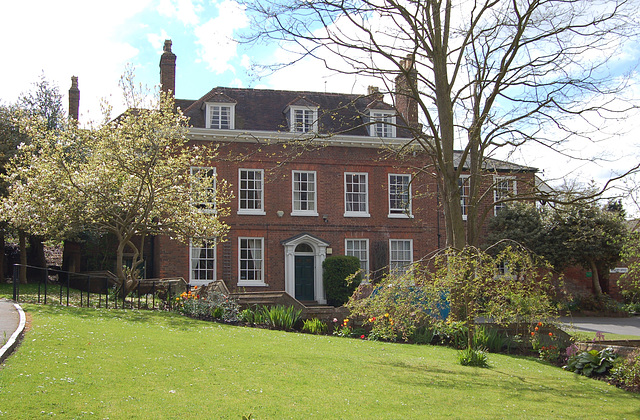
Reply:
x=382, y=124
x=220, y=116
x=303, y=120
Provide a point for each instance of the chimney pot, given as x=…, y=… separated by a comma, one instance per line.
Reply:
x=74, y=99
x=406, y=83
x=168, y=69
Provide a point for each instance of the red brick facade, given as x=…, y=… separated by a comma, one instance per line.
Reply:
x=255, y=132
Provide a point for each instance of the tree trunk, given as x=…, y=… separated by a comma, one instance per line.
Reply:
x=595, y=278
x=23, y=257
x=36, y=258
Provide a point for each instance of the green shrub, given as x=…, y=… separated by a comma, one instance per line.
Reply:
x=473, y=357
x=592, y=362
x=339, y=282
x=423, y=335
x=452, y=333
x=627, y=372
x=281, y=317
x=314, y=326
x=489, y=338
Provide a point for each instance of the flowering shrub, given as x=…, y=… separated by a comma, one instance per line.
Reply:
x=395, y=308
x=383, y=328
x=215, y=305
x=628, y=372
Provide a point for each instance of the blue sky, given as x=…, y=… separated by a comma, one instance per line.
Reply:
x=97, y=40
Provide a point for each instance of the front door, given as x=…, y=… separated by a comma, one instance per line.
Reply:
x=304, y=277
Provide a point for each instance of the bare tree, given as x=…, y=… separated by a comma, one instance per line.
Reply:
x=486, y=77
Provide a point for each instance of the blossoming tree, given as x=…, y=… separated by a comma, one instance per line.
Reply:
x=128, y=176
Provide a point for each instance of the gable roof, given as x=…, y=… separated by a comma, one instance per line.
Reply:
x=265, y=110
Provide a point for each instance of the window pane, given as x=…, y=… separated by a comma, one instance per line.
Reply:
x=465, y=191
x=358, y=248
x=251, y=259
x=356, y=199
x=304, y=191
x=401, y=255
x=205, y=199
x=203, y=262
x=399, y=197
x=250, y=189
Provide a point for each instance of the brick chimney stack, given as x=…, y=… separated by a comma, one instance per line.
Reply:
x=406, y=103
x=374, y=92
x=74, y=99
x=168, y=69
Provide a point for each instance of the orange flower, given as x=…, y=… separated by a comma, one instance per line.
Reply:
x=550, y=334
x=532, y=333
x=539, y=324
x=536, y=328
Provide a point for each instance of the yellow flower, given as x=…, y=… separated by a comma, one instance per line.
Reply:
x=386, y=315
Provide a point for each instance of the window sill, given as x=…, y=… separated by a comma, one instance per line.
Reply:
x=251, y=212
x=400, y=216
x=304, y=213
x=351, y=214
x=251, y=283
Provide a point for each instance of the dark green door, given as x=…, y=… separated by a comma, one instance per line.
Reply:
x=304, y=277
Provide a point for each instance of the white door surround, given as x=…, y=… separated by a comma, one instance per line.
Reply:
x=319, y=248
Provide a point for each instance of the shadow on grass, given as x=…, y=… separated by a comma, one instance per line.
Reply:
x=169, y=318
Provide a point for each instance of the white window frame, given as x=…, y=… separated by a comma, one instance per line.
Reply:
x=304, y=188
x=349, y=193
x=403, y=212
x=198, y=259
x=251, y=270
x=216, y=109
x=396, y=265
x=382, y=124
x=362, y=252
x=464, y=183
x=308, y=123
x=500, y=192
x=244, y=191
x=206, y=206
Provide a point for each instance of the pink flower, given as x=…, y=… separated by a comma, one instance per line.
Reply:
x=335, y=319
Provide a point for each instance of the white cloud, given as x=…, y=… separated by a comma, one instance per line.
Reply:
x=64, y=39
x=216, y=36
x=157, y=40
x=186, y=11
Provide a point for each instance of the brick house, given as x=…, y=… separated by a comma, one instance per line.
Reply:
x=314, y=175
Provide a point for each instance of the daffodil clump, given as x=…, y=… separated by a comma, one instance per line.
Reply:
x=214, y=305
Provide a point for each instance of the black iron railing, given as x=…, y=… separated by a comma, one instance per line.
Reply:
x=94, y=289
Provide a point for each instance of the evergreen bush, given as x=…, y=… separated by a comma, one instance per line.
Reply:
x=339, y=281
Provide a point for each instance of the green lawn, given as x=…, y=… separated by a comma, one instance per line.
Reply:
x=116, y=364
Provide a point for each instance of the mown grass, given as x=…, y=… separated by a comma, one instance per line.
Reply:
x=591, y=336
x=77, y=362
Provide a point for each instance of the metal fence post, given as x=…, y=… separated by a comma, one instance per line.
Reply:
x=15, y=282
x=46, y=280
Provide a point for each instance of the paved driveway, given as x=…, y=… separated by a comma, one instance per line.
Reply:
x=625, y=326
